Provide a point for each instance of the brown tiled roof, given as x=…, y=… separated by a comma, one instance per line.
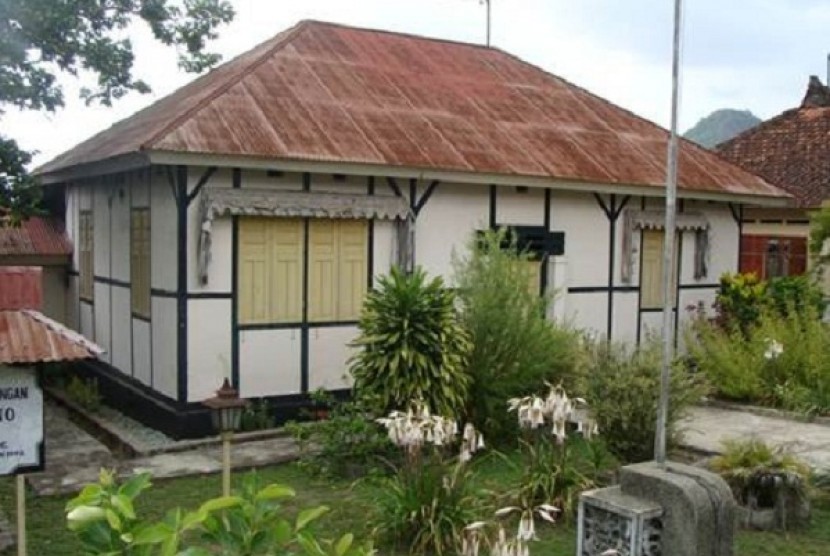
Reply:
x=28, y=337
x=792, y=149
x=329, y=93
x=35, y=236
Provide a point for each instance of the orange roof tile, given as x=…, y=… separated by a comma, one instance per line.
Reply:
x=329, y=93
x=792, y=149
x=28, y=337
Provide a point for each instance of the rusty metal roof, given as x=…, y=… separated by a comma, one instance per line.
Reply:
x=792, y=149
x=329, y=93
x=28, y=337
x=35, y=236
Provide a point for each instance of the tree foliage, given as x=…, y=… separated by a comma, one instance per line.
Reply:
x=40, y=39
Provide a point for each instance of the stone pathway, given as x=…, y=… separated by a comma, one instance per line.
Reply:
x=707, y=427
x=74, y=457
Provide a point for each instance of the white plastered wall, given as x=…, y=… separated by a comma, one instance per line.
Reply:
x=446, y=224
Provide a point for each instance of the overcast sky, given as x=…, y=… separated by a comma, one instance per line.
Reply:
x=747, y=54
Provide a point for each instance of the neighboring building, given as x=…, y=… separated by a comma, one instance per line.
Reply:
x=233, y=227
x=793, y=151
x=34, y=262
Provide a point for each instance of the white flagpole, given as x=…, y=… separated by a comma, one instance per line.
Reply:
x=668, y=246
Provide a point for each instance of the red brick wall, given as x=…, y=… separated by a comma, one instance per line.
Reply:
x=755, y=251
x=20, y=287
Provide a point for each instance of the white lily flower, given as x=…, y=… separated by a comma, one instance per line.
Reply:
x=501, y=512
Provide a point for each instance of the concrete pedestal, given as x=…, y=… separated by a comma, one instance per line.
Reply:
x=698, y=509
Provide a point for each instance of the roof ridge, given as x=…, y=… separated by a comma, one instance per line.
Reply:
x=682, y=140
x=280, y=41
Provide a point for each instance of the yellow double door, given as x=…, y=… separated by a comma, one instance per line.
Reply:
x=276, y=262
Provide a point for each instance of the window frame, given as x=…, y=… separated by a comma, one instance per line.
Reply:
x=140, y=263
x=86, y=255
x=657, y=303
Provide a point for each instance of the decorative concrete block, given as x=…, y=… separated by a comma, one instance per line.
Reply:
x=698, y=509
x=611, y=519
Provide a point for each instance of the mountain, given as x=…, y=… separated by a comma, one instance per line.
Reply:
x=720, y=126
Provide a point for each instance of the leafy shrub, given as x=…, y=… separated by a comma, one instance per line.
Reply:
x=426, y=512
x=514, y=345
x=257, y=415
x=84, y=393
x=756, y=472
x=739, y=300
x=788, y=294
x=560, y=456
x=783, y=361
x=426, y=504
x=623, y=384
x=251, y=523
x=412, y=345
x=347, y=444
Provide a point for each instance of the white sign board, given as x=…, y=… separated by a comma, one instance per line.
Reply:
x=21, y=421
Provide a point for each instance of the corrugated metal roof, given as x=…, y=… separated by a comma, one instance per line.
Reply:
x=28, y=337
x=330, y=93
x=35, y=236
x=792, y=149
x=20, y=287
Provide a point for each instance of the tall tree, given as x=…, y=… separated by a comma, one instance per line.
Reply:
x=39, y=39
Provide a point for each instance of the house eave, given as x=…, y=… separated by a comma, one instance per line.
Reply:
x=425, y=174
x=120, y=163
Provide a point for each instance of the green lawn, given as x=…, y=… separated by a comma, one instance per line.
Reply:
x=351, y=508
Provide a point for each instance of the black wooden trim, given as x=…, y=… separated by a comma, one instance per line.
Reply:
x=493, y=202
x=612, y=212
x=201, y=183
x=210, y=295
x=181, y=291
x=139, y=316
x=640, y=281
x=546, y=223
x=698, y=286
x=270, y=326
x=393, y=185
x=304, y=336
x=235, y=369
x=72, y=272
x=160, y=292
x=425, y=197
x=132, y=331
x=297, y=325
x=413, y=193
x=333, y=324
x=678, y=270
x=736, y=216
x=603, y=289
x=370, y=247
x=798, y=221
x=111, y=282
x=655, y=310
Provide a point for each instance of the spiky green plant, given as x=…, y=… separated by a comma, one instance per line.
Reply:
x=412, y=345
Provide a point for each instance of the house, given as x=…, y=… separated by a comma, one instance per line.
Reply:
x=233, y=227
x=34, y=260
x=791, y=150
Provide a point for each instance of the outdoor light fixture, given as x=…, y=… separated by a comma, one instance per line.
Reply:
x=226, y=412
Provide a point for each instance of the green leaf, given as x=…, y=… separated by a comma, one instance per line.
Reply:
x=344, y=544
x=307, y=516
x=135, y=485
x=113, y=519
x=152, y=534
x=221, y=503
x=123, y=504
x=274, y=492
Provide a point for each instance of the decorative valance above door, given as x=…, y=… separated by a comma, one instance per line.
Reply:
x=289, y=204
x=656, y=220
